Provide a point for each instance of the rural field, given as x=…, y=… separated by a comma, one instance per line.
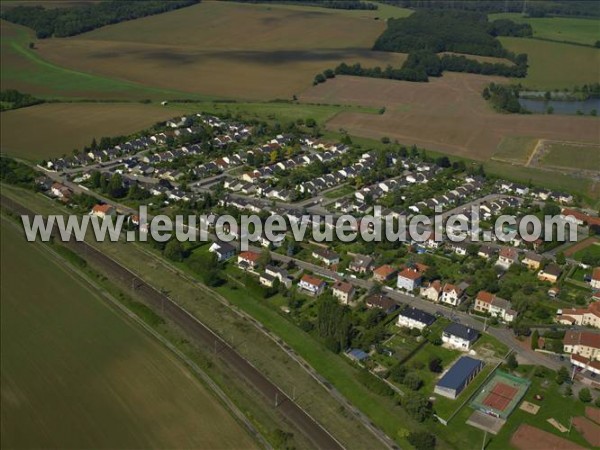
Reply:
x=72, y=369
x=226, y=50
x=571, y=155
x=22, y=68
x=53, y=129
x=554, y=65
x=567, y=29
x=447, y=114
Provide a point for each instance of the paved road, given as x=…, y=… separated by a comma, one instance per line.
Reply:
x=203, y=335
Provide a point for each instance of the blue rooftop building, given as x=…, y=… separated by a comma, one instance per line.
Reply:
x=458, y=377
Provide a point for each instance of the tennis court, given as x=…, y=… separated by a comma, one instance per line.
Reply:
x=500, y=395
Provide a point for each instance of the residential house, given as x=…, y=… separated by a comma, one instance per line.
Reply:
x=550, y=273
x=486, y=252
x=273, y=273
x=381, y=301
x=361, y=264
x=327, y=256
x=432, y=291
x=451, y=294
x=248, y=260
x=383, y=273
x=415, y=318
x=312, y=284
x=103, y=211
x=507, y=257
x=460, y=248
x=223, y=250
x=589, y=316
x=532, y=260
x=409, y=279
x=584, y=348
x=60, y=191
x=487, y=302
x=343, y=291
x=459, y=336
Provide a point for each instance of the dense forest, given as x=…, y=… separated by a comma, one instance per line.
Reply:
x=333, y=4
x=63, y=22
x=449, y=31
x=13, y=99
x=532, y=8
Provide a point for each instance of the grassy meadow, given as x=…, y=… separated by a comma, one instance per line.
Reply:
x=554, y=65
x=571, y=154
x=515, y=149
x=75, y=374
x=563, y=29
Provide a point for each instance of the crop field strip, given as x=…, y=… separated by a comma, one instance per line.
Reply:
x=320, y=437
x=74, y=367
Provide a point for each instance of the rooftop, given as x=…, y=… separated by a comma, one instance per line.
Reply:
x=460, y=372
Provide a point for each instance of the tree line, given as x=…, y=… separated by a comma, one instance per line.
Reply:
x=449, y=31
x=13, y=99
x=531, y=8
x=332, y=4
x=503, y=98
x=63, y=22
x=419, y=66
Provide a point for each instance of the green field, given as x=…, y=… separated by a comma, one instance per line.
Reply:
x=592, y=250
x=77, y=375
x=589, y=190
x=567, y=29
x=574, y=155
x=515, y=149
x=555, y=65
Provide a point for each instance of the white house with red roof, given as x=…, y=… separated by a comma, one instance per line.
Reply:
x=489, y=303
x=248, y=260
x=313, y=285
x=589, y=316
x=103, y=211
x=409, y=279
x=451, y=294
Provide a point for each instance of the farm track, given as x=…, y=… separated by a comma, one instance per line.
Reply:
x=201, y=334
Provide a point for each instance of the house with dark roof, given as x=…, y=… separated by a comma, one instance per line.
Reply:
x=459, y=336
x=223, y=250
x=415, y=318
x=381, y=301
x=325, y=255
x=550, y=273
x=458, y=377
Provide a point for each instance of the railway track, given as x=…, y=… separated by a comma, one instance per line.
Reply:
x=201, y=334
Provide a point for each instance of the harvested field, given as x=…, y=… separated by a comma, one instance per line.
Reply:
x=22, y=68
x=588, y=429
x=593, y=413
x=447, y=114
x=225, y=49
x=75, y=374
x=47, y=130
x=531, y=438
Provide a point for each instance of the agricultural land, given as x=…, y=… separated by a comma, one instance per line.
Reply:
x=75, y=368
